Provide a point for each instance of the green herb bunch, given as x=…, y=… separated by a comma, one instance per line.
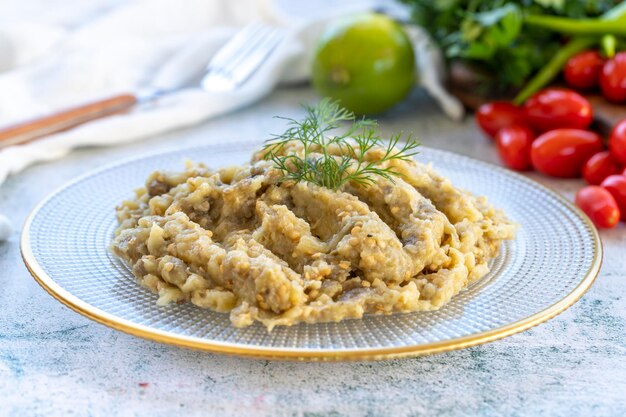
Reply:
x=514, y=39
x=319, y=132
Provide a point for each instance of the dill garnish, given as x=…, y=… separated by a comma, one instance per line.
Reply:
x=318, y=165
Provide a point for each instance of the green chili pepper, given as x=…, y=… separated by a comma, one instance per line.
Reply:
x=553, y=67
x=609, y=44
x=614, y=18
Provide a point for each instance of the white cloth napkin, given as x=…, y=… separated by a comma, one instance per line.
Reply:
x=57, y=61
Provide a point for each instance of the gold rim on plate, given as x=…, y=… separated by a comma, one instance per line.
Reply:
x=191, y=342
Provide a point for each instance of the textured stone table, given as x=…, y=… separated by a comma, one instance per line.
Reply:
x=55, y=362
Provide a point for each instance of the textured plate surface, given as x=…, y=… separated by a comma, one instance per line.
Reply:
x=551, y=263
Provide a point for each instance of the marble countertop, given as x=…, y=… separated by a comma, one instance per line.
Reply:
x=55, y=362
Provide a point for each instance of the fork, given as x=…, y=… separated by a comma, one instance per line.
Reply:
x=228, y=70
x=235, y=63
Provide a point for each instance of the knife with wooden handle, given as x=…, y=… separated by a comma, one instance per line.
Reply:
x=57, y=122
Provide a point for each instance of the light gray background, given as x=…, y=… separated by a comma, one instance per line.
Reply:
x=56, y=362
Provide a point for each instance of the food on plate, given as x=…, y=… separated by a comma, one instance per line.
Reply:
x=563, y=152
x=319, y=226
x=599, y=205
x=366, y=61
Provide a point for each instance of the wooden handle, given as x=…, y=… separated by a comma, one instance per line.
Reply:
x=66, y=119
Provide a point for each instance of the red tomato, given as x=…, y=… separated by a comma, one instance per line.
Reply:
x=617, y=142
x=599, y=205
x=514, y=144
x=616, y=185
x=613, y=78
x=583, y=70
x=624, y=171
x=600, y=166
x=556, y=108
x=492, y=117
x=563, y=152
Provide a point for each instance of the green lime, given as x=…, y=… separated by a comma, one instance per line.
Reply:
x=366, y=61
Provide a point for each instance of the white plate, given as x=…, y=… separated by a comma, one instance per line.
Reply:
x=551, y=263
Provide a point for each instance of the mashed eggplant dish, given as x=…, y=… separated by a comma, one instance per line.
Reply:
x=315, y=228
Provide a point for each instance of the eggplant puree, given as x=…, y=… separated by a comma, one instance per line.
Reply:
x=239, y=240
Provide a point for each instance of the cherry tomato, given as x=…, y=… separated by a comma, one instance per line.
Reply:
x=600, y=166
x=613, y=78
x=556, y=108
x=492, y=117
x=513, y=145
x=583, y=70
x=599, y=205
x=616, y=185
x=563, y=152
x=617, y=142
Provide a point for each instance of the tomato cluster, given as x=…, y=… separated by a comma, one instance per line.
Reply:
x=589, y=70
x=550, y=133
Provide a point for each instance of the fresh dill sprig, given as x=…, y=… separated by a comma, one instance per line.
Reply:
x=317, y=132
